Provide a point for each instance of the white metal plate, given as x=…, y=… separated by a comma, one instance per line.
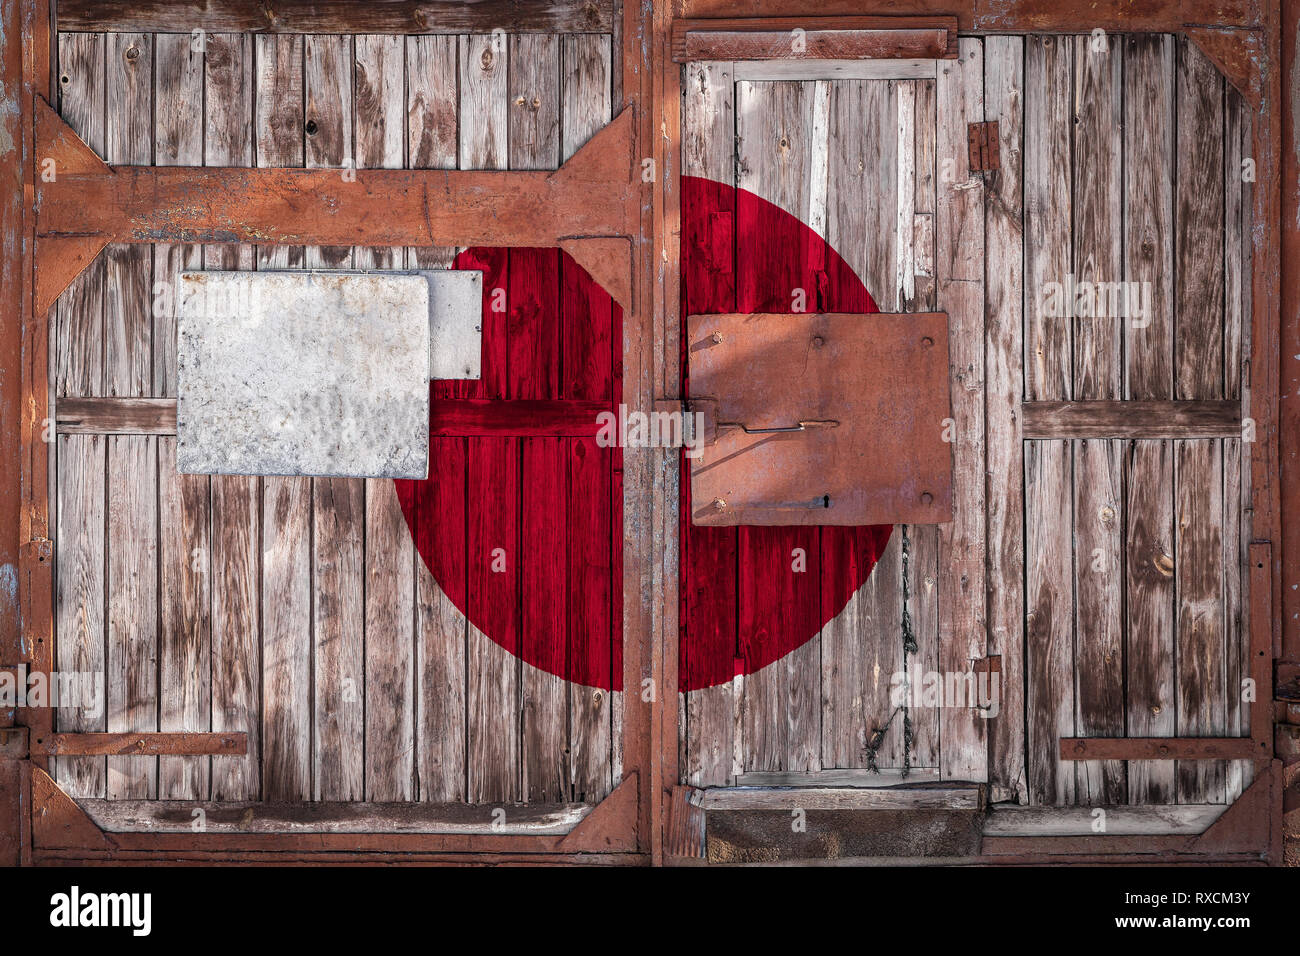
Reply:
x=302, y=373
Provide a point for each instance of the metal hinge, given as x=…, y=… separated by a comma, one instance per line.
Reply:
x=982, y=140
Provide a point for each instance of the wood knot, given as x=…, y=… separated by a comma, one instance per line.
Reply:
x=1164, y=565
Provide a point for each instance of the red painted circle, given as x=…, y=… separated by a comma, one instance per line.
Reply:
x=743, y=604
x=549, y=511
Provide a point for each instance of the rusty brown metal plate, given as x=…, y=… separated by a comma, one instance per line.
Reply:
x=821, y=419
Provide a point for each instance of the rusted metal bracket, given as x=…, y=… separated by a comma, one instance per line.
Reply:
x=982, y=142
x=589, y=206
x=820, y=419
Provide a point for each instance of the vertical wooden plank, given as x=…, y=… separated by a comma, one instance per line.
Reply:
x=236, y=615
x=185, y=652
x=1149, y=213
x=286, y=502
x=184, y=516
x=1199, y=300
x=380, y=134
x=1004, y=316
x=80, y=591
x=390, y=648
x=441, y=629
x=1149, y=572
x=591, y=335
x=862, y=216
x=1049, y=620
x=339, y=674
x=178, y=141
x=924, y=564
x=1096, y=148
x=533, y=335
x=1198, y=227
x=778, y=147
x=493, y=749
x=1200, y=667
x=380, y=116
x=132, y=655
x=1099, y=614
x=709, y=606
x=1048, y=213
x=132, y=685
x=79, y=370
x=327, y=123
x=959, y=265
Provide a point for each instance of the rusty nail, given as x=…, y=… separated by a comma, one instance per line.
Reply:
x=717, y=338
x=926, y=341
x=818, y=341
x=926, y=497
x=719, y=504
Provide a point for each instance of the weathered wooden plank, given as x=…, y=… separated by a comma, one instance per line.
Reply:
x=338, y=505
x=862, y=215
x=379, y=113
x=795, y=70
x=185, y=642
x=178, y=141
x=709, y=607
x=132, y=545
x=1048, y=214
x=1099, y=612
x=390, y=647
x=1182, y=749
x=1003, y=388
x=1198, y=227
x=132, y=653
x=1149, y=213
x=533, y=331
x=1132, y=419
x=184, y=515
x=779, y=147
x=153, y=743
x=286, y=502
x=80, y=598
x=440, y=627
x=1118, y=821
x=959, y=274
x=1200, y=667
x=1098, y=227
x=159, y=816
x=837, y=798
x=333, y=16
x=592, y=348
x=328, y=81
x=236, y=653
x=1049, y=620
x=492, y=685
x=339, y=677
x=1149, y=573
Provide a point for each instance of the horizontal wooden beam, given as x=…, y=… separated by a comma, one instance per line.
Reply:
x=1158, y=748
x=115, y=416
x=815, y=38
x=448, y=417
x=88, y=204
x=177, y=816
x=1044, y=420
x=838, y=798
x=144, y=743
x=505, y=418
x=336, y=16
x=1188, y=819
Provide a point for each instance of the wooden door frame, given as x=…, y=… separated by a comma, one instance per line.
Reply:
x=1247, y=50
x=1248, y=46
